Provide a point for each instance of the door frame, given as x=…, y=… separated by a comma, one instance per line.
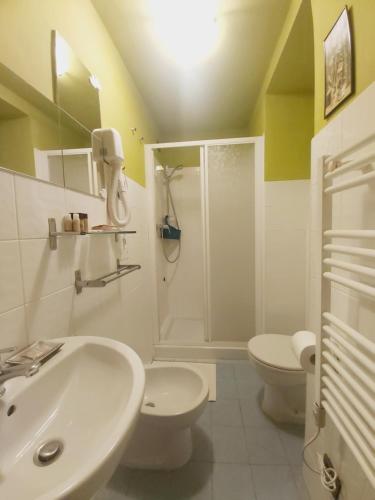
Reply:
x=259, y=224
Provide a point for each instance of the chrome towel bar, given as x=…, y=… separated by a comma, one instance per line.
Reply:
x=122, y=270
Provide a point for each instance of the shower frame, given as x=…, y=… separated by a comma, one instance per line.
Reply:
x=208, y=349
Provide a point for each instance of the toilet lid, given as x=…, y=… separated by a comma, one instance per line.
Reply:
x=274, y=350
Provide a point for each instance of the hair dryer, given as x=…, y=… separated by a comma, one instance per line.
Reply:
x=107, y=149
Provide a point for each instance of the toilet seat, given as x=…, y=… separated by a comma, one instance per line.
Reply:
x=274, y=350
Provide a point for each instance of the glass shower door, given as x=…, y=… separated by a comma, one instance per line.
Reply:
x=230, y=207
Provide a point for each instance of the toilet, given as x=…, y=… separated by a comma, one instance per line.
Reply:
x=284, y=379
x=175, y=396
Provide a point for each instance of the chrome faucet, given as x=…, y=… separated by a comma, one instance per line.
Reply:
x=8, y=371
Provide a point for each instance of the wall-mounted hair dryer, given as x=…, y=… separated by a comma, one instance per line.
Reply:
x=107, y=150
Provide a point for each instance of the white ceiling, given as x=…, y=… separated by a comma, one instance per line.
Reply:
x=214, y=98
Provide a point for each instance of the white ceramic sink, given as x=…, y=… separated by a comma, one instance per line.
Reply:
x=88, y=397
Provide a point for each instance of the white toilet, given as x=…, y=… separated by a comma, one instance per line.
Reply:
x=175, y=396
x=283, y=376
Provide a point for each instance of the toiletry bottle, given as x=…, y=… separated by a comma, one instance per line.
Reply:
x=86, y=223
x=81, y=223
x=76, y=223
x=68, y=223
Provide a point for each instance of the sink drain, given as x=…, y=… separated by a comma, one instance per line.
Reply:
x=48, y=452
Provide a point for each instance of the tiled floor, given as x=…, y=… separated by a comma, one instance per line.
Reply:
x=239, y=454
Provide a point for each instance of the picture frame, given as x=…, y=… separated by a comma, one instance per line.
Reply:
x=338, y=64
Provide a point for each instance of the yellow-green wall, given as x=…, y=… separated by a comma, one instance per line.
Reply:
x=257, y=122
x=277, y=118
x=325, y=13
x=287, y=118
x=290, y=127
x=188, y=157
x=25, y=48
x=37, y=129
x=16, y=150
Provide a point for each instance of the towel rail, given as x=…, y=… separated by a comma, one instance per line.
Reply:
x=122, y=270
x=362, y=162
x=349, y=233
x=350, y=395
x=363, y=179
x=362, y=358
x=353, y=334
x=351, y=442
x=348, y=377
x=345, y=382
x=354, y=285
x=347, y=266
x=344, y=152
x=362, y=445
x=348, y=362
x=354, y=415
x=348, y=250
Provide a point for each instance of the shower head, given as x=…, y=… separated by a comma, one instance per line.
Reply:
x=168, y=171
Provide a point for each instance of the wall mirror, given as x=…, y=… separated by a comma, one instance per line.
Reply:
x=51, y=140
x=75, y=89
x=29, y=129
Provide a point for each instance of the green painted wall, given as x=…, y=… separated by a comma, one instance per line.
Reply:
x=16, y=150
x=36, y=129
x=290, y=127
x=25, y=48
x=257, y=122
x=284, y=111
x=40, y=127
x=188, y=157
x=325, y=13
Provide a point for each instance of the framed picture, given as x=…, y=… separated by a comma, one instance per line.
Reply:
x=338, y=60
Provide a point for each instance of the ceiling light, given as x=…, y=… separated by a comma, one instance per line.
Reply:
x=187, y=30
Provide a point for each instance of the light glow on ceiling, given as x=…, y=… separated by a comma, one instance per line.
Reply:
x=187, y=30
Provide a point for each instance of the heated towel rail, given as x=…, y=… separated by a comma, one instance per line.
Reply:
x=345, y=356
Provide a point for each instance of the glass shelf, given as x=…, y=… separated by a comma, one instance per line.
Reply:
x=53, y=234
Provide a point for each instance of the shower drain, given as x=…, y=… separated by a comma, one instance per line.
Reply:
x=48, y=452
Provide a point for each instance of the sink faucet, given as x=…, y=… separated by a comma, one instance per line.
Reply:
x=8, y=371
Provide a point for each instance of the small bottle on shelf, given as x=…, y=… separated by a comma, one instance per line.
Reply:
x=76, y=224
x=84, y=222
x=68, y=223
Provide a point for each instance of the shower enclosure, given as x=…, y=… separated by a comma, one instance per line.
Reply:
x=207, y=275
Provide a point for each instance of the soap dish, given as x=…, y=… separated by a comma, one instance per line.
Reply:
x=38, y=352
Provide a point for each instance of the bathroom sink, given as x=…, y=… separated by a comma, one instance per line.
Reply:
x=63, y=431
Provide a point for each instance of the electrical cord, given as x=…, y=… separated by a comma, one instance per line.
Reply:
x=309, y=442
x=328, y=475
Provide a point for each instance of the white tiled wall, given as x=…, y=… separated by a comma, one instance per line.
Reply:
x=286, y=250
x=37, y=294
x=352, y=209
x=180, y=284
x=185, y=278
